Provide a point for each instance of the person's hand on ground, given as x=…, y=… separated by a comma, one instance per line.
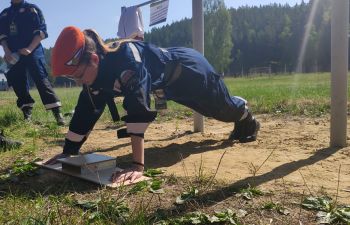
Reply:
x=130, y=174
x=53, y=160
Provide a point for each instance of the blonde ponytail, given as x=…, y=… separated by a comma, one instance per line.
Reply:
x=94, y=43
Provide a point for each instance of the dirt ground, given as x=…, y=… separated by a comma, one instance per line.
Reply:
x=296, y=150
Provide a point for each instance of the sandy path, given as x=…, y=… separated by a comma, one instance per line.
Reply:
x=301, y=159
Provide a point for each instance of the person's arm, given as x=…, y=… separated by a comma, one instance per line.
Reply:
x=4, y=36
x=135, y=81
x=138, y=152
x=90, y=107
x=137, y=120
x=5, y=47
x=39, y=32
x=7, y=52
x=136, y=171
x=35, y=42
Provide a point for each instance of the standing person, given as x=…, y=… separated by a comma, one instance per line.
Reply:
x=133, y=69
x=22, y=27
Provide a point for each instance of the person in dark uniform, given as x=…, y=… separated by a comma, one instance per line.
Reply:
x=22, y=27
x=133, y=69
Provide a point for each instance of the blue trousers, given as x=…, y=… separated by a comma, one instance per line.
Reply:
x=200, y=88
x=33, y=65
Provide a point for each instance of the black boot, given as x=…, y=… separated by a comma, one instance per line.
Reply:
x=7, y=144
x=27, y=113
x=58, y=116
x=245, y=130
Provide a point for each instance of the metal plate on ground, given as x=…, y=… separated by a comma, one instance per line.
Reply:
x=91, y=167
x=86, y=159
x=88, y=163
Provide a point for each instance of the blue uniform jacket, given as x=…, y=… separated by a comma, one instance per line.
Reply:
x=20, y=23
x=138, y=68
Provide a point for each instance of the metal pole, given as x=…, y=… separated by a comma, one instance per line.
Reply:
x=198, y=44
x=339, y=80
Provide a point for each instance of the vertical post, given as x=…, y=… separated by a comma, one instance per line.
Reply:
x=198, y=44
x=339, y=80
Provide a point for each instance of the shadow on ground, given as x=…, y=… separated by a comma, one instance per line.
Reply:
x=52, y=183
x=213, y=197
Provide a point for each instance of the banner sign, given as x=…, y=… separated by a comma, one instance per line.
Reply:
x=158, y=12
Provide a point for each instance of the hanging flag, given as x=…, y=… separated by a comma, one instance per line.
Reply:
x=130, y=23
x=158, y=12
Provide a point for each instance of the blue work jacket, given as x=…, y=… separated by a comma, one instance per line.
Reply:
x=137, y=69
x=20, y=23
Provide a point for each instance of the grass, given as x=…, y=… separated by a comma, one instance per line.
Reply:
x=299, y=94
x=67, y=201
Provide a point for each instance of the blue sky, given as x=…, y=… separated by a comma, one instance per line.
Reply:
x=103, y=15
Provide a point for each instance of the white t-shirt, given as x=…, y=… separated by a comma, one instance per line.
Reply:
x=130, y=23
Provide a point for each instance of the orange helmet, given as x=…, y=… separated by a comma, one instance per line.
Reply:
x=67, y=51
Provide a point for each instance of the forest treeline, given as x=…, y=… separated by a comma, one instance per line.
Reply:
x=259, y=39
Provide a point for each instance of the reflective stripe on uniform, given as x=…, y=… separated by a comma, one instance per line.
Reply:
x=245, y=114
x=53, y=105
x=27, y=105
x=245, y=101
x=74, y=136
x=135, y=52
x=33, y=10
x=164, y=50
x=136, y=128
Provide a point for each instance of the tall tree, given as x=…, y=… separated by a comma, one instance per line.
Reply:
x=217, y=35
x=263, y=36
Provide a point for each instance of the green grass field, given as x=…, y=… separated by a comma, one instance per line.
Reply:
x=300, y=94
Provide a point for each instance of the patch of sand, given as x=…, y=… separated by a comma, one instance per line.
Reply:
x=300, y=156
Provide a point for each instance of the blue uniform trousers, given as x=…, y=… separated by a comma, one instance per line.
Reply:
x=200, y=88
x=33, y=65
